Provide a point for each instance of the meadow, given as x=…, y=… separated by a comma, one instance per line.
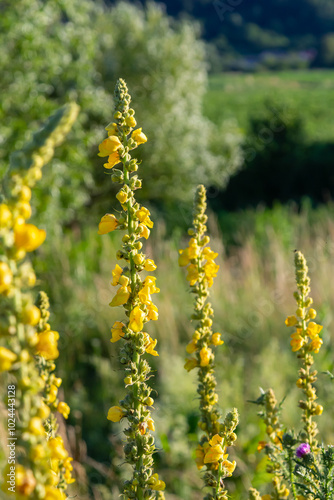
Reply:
x=252, y=296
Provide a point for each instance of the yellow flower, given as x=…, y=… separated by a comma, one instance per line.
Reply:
x=210, y=271
x=113, y=159
x=316, y=344
x=117, y=331
x=25, y=193
x=313, y=329
x=107, y=224
x=291, y=321
x=5, y=216
x=209, y=254
x=130, y=121
x=52, y=493
x=143, y=215
x=144, y=295
x=43, y=411
x=52, y=394
x=28, y=237
x=191, y=347
x=144, y=231
x=111, y=128
x=37, y=453
x=6, y=277
x=115, y=414
x=155, y=483
x=64, y=409
x=296, y=342
x=57, y=449
x=150, y=424
x=31, y=315
x=216, y=340
x=152, y=312
x=24, y=209
x=122, y=196
x=199, y=457
x=319, y=409
x=137, y=317
x=184, y=257
x=229, y=467
x=193, y=274
x=190, y=364
x=139, y=136
x=47, y=345
x=193, y=250
x=36, y=427
x=150, y=265
x=150, y=345
x=25, y=481
x=214, y=454
x=7, y=358
x=121, y=297
x=109, y=145
x=312, y=313
x=205, y=355
x=261, y=445
x=116, y=273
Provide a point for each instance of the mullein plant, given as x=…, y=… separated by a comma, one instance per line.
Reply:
x=211, y=452
x=26, y=339
x=134, y=294
x=298, y=459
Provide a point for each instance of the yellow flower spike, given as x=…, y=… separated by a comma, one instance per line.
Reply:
x=116, y=273
x=109, y=146
x=64, y=409
x=117, y=331
x=143, y=215
x=6, y=277
x=107, y=224
x=115, y=414
x=121, y=297
x=5, y=216
x=137, y=317
x=7, y=358
x=139, y=136
x=135, y=295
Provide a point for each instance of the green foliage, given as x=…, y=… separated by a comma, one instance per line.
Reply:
x=48, y=54
x=163, y=64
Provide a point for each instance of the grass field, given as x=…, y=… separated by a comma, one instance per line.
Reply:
x=239, y=96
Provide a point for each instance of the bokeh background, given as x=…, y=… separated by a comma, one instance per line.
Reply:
x=233, y=94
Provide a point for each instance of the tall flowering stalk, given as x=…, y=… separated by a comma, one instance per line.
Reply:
x=217, y=436
x=305, y=341
x=135, y=295
x=297, y=458
x=25, y=336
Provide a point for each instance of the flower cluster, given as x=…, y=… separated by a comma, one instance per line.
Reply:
x=26, y=337
x=135, y=295
x=201, y=269
x=305, y=340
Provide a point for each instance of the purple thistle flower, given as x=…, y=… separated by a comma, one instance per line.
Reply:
x=302, y=450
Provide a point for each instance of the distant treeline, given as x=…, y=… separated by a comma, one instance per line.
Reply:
x=273, y=34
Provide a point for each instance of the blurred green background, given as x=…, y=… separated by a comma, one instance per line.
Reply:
x=238, y=97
